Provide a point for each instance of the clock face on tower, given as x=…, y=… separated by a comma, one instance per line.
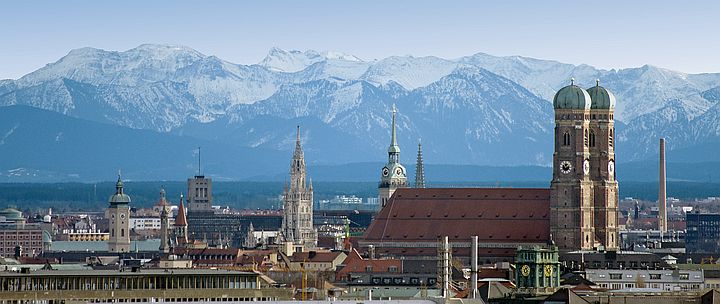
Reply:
x=586, y=167
x=398, y=171
x=525, y=270
x=611, y=168
x=548, y=270
x=565, y=167
x=385, y=172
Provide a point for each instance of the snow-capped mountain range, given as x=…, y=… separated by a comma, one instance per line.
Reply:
x=478, y=109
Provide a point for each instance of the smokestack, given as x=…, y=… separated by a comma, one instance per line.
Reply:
x=662, y=193
x=474, y=267
x=446, y=267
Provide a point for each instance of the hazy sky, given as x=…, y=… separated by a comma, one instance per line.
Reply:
x=680, y=35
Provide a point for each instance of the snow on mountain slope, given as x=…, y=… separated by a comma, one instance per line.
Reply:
x=410, y=72
x=279, y=60
x=487, y=105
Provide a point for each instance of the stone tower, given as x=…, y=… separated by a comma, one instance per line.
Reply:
x=571, y=202
x=602, y=165
x=297, y=225
x=118, y=215
x=419, y=169
x=393, y=174
x=200, y=195
x=164, y=207
x=181, y=225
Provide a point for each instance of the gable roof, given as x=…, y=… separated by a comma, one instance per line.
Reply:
x=493, y=214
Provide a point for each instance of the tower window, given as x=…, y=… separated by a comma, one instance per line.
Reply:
x=122, y=232
x=566, y=138
x=586, y=138
x=592, y=139
x=610, y=138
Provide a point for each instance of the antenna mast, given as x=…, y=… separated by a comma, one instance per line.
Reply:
x=199, y=171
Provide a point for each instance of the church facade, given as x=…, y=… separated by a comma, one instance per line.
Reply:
x=578, y=211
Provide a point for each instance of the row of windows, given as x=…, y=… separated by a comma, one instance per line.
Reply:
x=20, y=237
x=586, y=116
x=653, y=276
x=684, y=287
x=589, y=138
x=27, y=243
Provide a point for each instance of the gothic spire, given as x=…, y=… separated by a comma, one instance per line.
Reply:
x=419, y=169
x=394, y=149
x=393, y=140
x=298, y=146
x=297, y=166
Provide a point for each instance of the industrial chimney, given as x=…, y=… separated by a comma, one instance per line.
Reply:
x=662, y=193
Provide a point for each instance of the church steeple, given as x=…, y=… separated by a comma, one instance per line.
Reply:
x=419, y=169
x=393, y=174
x=394, y=149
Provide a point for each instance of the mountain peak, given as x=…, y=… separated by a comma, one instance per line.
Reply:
x=291, y=61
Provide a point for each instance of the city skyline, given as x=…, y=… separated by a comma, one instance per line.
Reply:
x=628, y=35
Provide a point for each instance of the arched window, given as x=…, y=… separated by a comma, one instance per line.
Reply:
x=586, y=138
x=592, y=139
x=610, y=138
x=112, y=232
x=566, y=138
x=122, y=232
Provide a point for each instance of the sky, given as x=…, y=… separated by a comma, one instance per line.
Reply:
x=678, y=35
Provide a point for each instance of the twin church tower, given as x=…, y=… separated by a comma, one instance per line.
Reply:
x=584, y=196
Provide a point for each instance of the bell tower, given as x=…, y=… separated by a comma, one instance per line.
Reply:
x=118, y=215
x=571, y=205
x=393, y=174
x=602, y=164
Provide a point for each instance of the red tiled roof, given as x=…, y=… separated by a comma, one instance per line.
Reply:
x=355, y=263
x=495, y=215
x=180, y=219
x=315, y=256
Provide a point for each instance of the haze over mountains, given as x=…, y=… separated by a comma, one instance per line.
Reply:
x=146, y=109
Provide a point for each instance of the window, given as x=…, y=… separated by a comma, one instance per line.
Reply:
x=392, y=269
x=654, y=276
x=592, y=139
x=684, y=276
x=586, y=138
x=368, y=269
x=566, y=138
x=616, y=276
